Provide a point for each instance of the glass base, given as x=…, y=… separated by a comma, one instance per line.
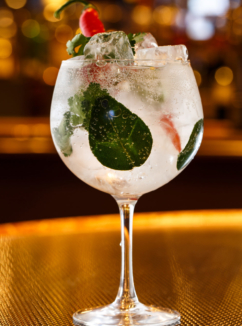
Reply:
x=111, y=315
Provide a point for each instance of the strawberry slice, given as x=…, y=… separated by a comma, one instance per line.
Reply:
x=167, y=124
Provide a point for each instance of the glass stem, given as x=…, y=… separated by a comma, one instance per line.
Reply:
x=126, y=297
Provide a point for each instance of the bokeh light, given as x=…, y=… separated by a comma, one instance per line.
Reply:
x=142, y=15
x=50, y=75
x=224, y=76
x=112, y=13
x=6, y=68
x=49, y=12
x=9, y=31
x=165, y=15
x=198, y=77
x=208, y=7
x=16, y=4
x=199, y=28
x=30, y=28
x=63, y=33
x=6, y=17
x=5, y=48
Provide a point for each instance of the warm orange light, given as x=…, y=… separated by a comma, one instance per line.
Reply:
x=63, y=33
x=56, y=3
x=41, y=130
x=5, y=48
x=30, y=28
x=165, y=15
x=16, y=4
x=49, y=12
x=141, y=15
x=6, y=68
x=78, y=31
x=222, y=94
x=6, y=17
x=112, y=13
x=198, y=77
x=50, y=75
x=237, y=27
x=224, y=76
x=9, y=31
x=237, y=13
x=21, y=132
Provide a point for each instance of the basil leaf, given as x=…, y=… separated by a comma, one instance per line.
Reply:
x=192, y=146
x=78, y=40
x=63, y=133
x=118, y=138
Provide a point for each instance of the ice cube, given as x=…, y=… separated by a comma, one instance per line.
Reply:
x=148, y=42
x=167, y=53
x=114, y=45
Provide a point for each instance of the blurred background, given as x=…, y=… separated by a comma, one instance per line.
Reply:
x=35, y=184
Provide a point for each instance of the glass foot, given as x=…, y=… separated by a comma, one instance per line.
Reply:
x=111, y=315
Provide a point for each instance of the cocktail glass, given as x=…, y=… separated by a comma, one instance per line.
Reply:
x=126, y=127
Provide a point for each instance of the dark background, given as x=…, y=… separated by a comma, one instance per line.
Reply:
x=40, y=186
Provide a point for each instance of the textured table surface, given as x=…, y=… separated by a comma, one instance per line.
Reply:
x=188, y=261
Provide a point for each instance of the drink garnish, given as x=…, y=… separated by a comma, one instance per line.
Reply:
x=63, y=133
x=192, y=145
x=78, y=40
x=89, y=22
x=135, y=38
x=118, y=138
x=167, y=124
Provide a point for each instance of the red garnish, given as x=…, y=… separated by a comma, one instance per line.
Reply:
x=89, y=22
x=171, y=131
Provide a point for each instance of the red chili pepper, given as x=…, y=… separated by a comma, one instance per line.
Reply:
x=89, y=22
x=171, y=131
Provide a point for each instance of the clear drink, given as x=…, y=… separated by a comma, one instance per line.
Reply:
x=164, y=96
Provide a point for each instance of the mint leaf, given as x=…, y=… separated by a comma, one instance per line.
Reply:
x=118, y=138
x=191, y=147
x=63, y=133
x=78, y=40
x=135, y=38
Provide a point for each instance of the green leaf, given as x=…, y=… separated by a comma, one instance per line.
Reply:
x=63, y=133
x=135, y=38
x=78, y=40
x=118, y=138
x=192, y=146
x=93, y=92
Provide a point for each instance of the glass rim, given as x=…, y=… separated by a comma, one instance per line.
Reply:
x=69, y=61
